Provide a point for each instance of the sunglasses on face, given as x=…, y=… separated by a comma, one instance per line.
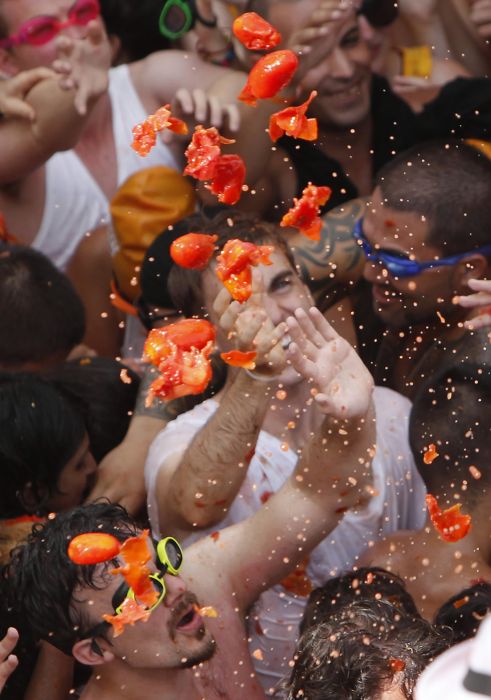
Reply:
x=178, y=17
x=42, y=29
x=400, y=265
x=168, y=561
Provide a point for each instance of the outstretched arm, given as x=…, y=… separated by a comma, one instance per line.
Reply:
x=332, y=475
x=197, y=486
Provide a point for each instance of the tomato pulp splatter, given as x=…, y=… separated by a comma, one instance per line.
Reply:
x=237, y=358
x=305, y=214
x=131, y=612
x=430, y=454
x=268, y=76
x=145, y=134
x=451, y=525
x=229, y=178
x=193, y=251
x=181, y=352
x=255, y=33
x=136, y=553
x=234, y=266
x=293, y=122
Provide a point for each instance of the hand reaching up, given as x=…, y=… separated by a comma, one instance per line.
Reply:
x=480, y=300
x=8, y=662
x=342, y=384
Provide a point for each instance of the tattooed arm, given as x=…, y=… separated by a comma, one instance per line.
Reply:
x=336, y=259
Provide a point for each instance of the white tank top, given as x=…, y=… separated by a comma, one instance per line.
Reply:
x=74, y=202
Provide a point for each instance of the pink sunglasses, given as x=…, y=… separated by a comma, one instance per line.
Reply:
x=40, y=30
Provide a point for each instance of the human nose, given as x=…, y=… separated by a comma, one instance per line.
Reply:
x=341, y=67
x=274, y=311
x=174, y=588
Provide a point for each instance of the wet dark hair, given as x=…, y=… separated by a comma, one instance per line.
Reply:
x=41, y=580
x=97, y=382
x=41, y=314
x=357, y=653
x=40, y=431
x=364, y=583
x=452, y=411
x=136, y=24
x=448, y=183
x=185, y=286
x=465, y=611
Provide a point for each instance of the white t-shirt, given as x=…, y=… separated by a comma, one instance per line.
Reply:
x=398, y=505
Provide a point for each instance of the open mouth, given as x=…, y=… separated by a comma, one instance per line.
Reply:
x=190, y=621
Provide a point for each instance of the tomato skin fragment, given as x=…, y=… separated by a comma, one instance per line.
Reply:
x=228, y=179
x=131, y=612
x=450, y=524
x=193, y=251
x=430, y=454
x=268, y=76
x=236, y=358
x=305, y=214
x=234, y=266
x=93, y=548
x=145, y=133
x=136, y=553
x=293, y=122
x=255, y=33
x=204, y=152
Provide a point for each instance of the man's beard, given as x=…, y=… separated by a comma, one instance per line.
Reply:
x=200, y=656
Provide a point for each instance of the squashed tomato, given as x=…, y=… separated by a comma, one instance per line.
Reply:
x=255, y=33
x=237, y=358
x=268, y=76
x=145, y=134
x=228, y=179
x=234, y=266
x=93, y=548
x=430, y=454
x=304, y=215
x=204, y=152
x=451, y=525
x=136, y=553
x=181, y=351
x=131, y=612
x=292, y=121
x=193, y=251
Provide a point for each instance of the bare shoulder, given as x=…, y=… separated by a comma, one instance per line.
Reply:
x=391, y=553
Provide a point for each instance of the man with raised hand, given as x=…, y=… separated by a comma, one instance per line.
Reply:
x=177, y=653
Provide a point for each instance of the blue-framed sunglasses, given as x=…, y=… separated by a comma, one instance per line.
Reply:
x=168, y=561
x=401, y=266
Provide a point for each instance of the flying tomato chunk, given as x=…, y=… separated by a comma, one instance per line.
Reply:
x=304, y=215
x=136, y=553
x=451, y=525
x=234, y=266
x=131, y=612
x=181, y=352
x=93, y=548
x=145, y=133
x=293, y=122
x=193, y=251
x=255, y=33
x=228, y=179
x=204, y=152
x=237, y=358
x=268, y=76
x=430, y=454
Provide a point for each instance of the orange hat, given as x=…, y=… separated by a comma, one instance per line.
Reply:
x=144, y=206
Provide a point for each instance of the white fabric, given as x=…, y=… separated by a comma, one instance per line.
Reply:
x=74, y=202
x=398, y=504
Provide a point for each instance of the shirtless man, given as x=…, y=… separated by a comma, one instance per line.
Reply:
x=149, y=660
x=451, y=411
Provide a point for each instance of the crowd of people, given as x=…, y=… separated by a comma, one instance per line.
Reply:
x=312, y=523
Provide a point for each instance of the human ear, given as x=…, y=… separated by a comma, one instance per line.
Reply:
x=91, y=652
x=472, y=266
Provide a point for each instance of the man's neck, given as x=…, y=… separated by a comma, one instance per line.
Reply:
x=118, y=681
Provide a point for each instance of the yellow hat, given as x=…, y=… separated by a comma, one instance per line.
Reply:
x=144, y=206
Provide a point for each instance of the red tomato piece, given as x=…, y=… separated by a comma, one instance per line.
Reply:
x=194, y=250
x=228, y=179
x=430, y=454
x=304, y=215
x=298, y=581
x=203, y=153
x=255, y=33
x=185, y=334
x=293, y=122
x=236, y=358
x=93, y=548
x=131, y=612
x=136, y=553
x=145, y=134
x=268, y=76
x=450, y=523
x=234, y=266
